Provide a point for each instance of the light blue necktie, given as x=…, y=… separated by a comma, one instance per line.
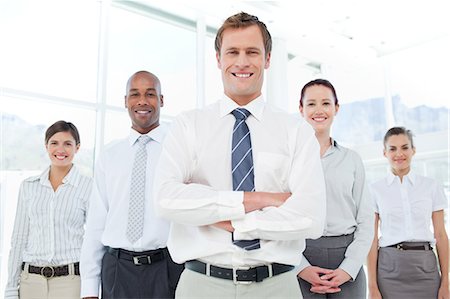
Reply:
x=242, y=165
x=136, y=207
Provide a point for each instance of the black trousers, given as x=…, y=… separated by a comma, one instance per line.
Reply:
x=122, y=279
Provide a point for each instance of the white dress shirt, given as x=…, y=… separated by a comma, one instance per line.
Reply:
x=194, y=186
x=49, y=225
x=108, y=212
x=405, y=208
x=349, y=208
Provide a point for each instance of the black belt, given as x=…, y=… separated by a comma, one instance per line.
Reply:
x=53, y=271
x=138, y=258
x=412, y=246
x=239, y=275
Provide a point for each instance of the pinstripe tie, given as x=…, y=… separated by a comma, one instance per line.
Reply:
x=242, y=165
x=136, y=207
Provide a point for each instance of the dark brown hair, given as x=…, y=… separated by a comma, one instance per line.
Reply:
x=62, y=126
x=323, y=82
x=244, y=20
x=398, y=131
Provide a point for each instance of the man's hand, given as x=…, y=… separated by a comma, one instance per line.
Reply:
x=258, y=200
x=225, y=225
x=313, y=275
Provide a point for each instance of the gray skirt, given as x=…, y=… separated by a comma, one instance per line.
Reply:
x=407, y=274
x=329, y=252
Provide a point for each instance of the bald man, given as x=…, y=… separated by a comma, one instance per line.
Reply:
x=124, y=249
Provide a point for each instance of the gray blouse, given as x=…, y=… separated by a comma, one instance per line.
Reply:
x=348, y=205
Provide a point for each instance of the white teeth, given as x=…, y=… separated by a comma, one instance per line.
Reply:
x=60, y=157
x=319, y=118
x=142, y=112
x=242, y=75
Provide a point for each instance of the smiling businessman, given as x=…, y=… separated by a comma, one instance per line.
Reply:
x=124, y=249
x=241, y=181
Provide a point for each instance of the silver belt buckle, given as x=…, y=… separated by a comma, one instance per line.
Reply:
x=235, y=276
x=138, y=263
x=270, y=269
x=46, y=274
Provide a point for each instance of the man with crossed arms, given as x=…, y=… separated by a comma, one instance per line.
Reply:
x=241, y=181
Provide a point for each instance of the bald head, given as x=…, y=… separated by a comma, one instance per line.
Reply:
x=144, y=73
x=143, y=101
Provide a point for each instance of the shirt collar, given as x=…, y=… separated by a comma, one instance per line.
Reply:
x=157, y=134
x=334, y=147
x=255, y=107
x=71, y=178
x=410, y=177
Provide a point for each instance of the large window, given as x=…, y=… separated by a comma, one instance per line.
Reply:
x=137, y=42
x=213, y=81
x=50, y=47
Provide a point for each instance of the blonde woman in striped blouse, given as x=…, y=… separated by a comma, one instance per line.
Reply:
x=49, y=225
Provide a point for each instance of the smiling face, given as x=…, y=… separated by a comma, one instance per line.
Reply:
x=318, y=108
x=61, y=148
x=143, y=101
x=399, y=152
x=242, y=60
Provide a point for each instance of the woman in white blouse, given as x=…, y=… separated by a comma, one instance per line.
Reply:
x=331, y=266
x=49, y=224
x=401, y=263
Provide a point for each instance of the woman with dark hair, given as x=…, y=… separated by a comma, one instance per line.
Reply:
x=331, y=266
x=49, y=224
x=401, y=263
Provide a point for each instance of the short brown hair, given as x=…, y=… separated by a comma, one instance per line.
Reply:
x=62, y=126
x=244, y=20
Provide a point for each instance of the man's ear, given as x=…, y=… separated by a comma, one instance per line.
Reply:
x=267, y=64
x=218, y=60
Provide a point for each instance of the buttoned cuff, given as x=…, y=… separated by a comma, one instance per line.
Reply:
x=245, y=229
x=90, y=287
x=231, y=205
x=351, y=267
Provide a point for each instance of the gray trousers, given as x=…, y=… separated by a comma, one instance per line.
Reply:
x=407, y=274
x=328, y=252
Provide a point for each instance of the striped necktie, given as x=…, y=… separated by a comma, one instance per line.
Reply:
x=242, y=165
